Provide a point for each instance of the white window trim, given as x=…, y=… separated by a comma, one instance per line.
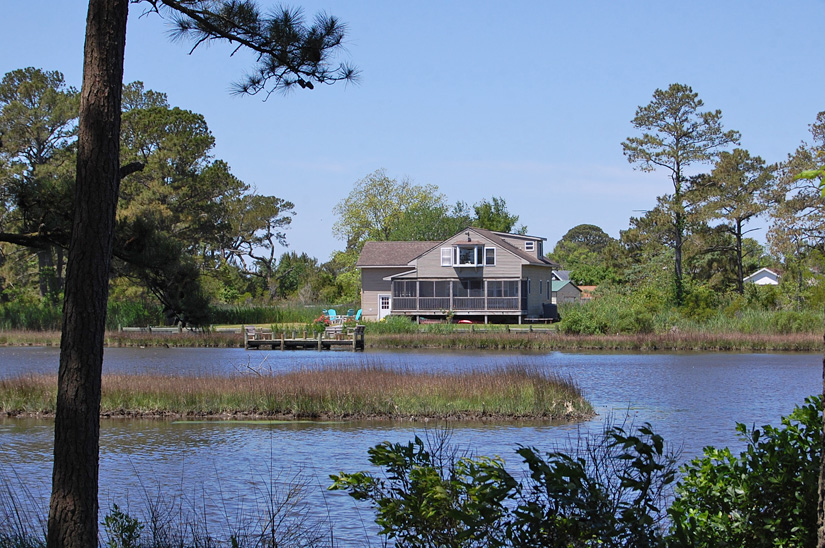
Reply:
x=456, y=256
x=495, y=256
x=529, y=245
x=446, y=256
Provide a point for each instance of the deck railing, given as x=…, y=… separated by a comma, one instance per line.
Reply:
x=481, y=304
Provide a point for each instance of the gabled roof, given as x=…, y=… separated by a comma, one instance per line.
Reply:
x=383, y=254
x=375, y=254
x=558, y=285
x=498, y=240
x=759, y=272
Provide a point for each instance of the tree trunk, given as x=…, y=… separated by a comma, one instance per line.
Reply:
x=740, y=274
x=820, y=511
x=678, y=239
x=73, y=510
x=44, y=271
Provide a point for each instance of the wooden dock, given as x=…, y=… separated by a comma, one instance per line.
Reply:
x=332, y=337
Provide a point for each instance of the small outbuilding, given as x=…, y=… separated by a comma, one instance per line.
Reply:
x=763, y=276
x=565, y=291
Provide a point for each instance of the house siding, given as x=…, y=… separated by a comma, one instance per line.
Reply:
x=372, y=285
x=512, y=264
x=507, y=265
x=567, y=294
x=536, y=299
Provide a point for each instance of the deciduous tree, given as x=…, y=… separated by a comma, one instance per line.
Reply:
x=378, y=205
x=493, y=215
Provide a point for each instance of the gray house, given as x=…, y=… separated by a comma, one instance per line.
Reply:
x=477, y=275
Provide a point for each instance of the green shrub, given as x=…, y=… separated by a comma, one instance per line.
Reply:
x=700, y=303
x=133, y=314
x=765, y=497
x=432, y=498
x=581, y=320
x=793, y=321
x=610, y=494
x=122, y=530
x=393, y=325
x=34, y=316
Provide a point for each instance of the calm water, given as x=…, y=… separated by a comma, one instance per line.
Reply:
x=693, y=400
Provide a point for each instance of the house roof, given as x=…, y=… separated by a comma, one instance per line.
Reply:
x=382, y=254
x=376, y=254
x=759, y=272
x=562, y=275
x=558, y=284
x=497, y=238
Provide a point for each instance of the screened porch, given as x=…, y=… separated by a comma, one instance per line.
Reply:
x=462, y=295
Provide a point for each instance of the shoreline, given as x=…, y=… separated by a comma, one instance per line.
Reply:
x=538, y=339
x=359, y=393
x=258, y=418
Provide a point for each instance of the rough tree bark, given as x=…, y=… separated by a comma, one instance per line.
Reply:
x=73, y=510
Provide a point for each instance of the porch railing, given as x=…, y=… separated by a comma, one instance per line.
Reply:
x=481, y=304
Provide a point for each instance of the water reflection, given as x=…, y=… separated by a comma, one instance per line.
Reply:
x=226, y=468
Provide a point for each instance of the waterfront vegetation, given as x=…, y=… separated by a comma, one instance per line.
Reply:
x=612, y=490
x=539, y=338
x=519, y=391
x=618, y=488
x=608, y=323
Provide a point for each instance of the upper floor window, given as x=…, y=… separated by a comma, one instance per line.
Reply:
x=446, y=256
x=529, y=246
x=468, y=255
x=490, y=256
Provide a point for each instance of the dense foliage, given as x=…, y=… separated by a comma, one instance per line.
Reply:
x=612, y=491
x=765, y=497
x=197, y=241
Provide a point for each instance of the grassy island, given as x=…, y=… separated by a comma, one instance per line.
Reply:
x=353, y=393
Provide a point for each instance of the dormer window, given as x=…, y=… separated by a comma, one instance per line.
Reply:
x=529, y=246
x=471, y=255
x=467, y=255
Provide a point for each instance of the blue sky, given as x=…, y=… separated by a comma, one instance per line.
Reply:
x=525, y=100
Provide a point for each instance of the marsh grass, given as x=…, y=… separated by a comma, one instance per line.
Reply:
x=22, y=521
x=544, y=340
x=518, y=391
x=482, y=338
x=277, y=511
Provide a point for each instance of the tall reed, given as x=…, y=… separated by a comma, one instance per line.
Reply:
x=520, y=390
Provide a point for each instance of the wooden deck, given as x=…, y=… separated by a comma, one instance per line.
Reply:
x=332, y=337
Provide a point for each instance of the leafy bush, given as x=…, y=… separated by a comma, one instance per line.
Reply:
x=792, y=321
x=122, y=530
x=242, y=314
x=611, y=494
x=133, y=314
x=393, y=325
x=608, y=316
x=35, y=316
x=765, y=497
x=430, y=498
x=700, y=302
